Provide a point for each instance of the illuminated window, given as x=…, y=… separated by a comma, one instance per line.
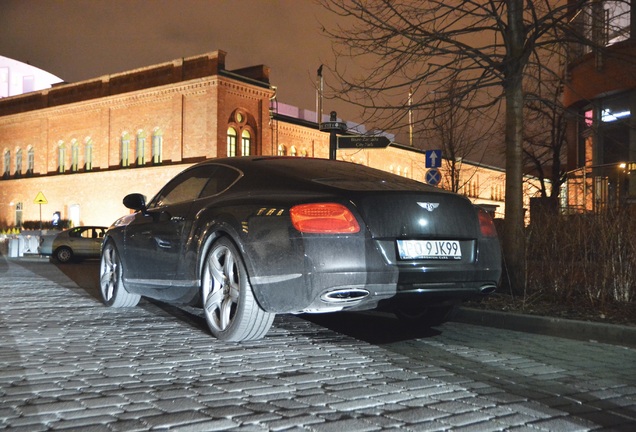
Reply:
x=6, y=169
x=18, y=162
x=88, y=154
x=293, y=151
x=61, y=157
x=240, y=125
x=125, y=150
x=74, y=156
x=282, y=150
x=231, y=142
x=4, y=81
x=28, y=83
x=30, y=161
x=246, y=143
x=157, y=146
x=141, y=148
x=18, y=213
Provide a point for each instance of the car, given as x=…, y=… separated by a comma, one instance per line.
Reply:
x=246, y=238
x=78, y=242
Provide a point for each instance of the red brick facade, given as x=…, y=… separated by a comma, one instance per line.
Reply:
x=86, y=145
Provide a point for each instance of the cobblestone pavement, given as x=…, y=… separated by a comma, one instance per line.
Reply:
x=69, y=363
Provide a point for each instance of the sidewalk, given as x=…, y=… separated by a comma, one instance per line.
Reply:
x=572, y=329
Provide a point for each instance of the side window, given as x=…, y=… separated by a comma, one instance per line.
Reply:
x=220, y=180
x=185, y=187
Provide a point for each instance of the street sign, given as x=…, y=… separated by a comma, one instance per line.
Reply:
x=40, y=199
x=333, y=126
x=362, y=141
x=433, y=158
x=433, y=177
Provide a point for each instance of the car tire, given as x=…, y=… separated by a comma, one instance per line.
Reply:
x=426, y=316
x=111, y=283
x=63, y=254
x=229, y=305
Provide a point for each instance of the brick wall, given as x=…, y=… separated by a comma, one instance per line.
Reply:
x=192, y=118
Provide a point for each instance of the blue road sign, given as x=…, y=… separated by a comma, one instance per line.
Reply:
x=433, y=158
x=433, y=177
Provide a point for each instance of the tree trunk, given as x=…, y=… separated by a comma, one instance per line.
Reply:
x=514, y=235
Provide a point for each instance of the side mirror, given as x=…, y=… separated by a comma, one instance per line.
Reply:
x=135, y=201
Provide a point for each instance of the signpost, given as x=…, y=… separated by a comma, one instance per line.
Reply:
x=40, y=199
x=433, y=158
x=333, y=126
x=433, y=177
x=362, y=141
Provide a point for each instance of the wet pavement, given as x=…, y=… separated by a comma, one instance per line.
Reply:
x=69, y=363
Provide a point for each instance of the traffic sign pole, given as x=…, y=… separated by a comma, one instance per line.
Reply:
x=333, y=126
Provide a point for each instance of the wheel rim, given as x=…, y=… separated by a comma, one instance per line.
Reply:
x=64, y=255
x=109, y=272
x=221, y=288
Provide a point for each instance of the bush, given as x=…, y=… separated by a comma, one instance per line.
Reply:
x=587, y=259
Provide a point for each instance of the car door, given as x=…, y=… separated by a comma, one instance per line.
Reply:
x=155, y=238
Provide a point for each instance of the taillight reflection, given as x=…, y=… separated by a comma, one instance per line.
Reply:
x=486, y=224
x=323, y=218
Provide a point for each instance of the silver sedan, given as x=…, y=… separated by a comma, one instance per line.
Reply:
x=83, y=241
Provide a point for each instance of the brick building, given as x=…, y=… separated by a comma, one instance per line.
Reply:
x=85, y=145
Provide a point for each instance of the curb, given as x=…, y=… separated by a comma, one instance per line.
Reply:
x=613, y=334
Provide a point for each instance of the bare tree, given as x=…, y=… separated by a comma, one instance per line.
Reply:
x=485, y=47
x=545, y=138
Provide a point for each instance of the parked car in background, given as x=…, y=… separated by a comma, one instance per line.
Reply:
x=246, y=238
x=78, y=242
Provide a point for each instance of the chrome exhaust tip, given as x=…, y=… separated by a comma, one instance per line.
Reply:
x=344, y=295
x=487, y=289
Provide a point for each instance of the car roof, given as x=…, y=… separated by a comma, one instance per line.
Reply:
x=323, y=172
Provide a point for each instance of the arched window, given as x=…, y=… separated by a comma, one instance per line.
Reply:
x=246, y=143
x=293, y=151
x=125, y=150
x=243, y=126
x=231, y=142
x=18, y=213
x=74, y=156
x=61, y=157
x=18, y=162
x=6, y=168
x=141, y=148
x=157, y=146
x=88, y=154
x=282, y=150
x=30, y=161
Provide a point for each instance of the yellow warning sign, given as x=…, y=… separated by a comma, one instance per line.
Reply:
x=40, y=199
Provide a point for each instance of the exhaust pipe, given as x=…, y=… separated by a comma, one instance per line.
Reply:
x=344, y=295
x=487, y=289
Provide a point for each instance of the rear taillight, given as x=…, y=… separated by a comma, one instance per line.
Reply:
x=486, y=224
x=323, y=218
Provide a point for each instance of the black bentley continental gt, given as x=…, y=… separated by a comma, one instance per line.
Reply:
x=250, y=237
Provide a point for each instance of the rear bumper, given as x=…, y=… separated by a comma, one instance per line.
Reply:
x=361, y=274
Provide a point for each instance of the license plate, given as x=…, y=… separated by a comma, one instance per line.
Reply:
x=429, y=249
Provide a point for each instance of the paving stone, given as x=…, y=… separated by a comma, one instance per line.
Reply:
x=76, y=364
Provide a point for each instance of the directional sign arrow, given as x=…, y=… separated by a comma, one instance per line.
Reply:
x=433, y=158
x=362, y=141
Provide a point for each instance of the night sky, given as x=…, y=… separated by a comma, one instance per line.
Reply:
x=82, y=39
